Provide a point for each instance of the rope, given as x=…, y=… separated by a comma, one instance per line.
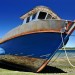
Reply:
x=66, y=52
x=60, y=51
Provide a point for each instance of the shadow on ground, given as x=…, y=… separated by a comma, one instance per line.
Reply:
x=47, y=69
x=50, y=69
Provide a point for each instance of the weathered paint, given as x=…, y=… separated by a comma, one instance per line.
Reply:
x=34, y=27
x=33, y=64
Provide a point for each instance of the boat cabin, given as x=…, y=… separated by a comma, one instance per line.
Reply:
x=40, y=12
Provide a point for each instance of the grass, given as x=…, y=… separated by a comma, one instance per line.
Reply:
x=29, y=73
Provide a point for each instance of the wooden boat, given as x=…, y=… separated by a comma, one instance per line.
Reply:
x=35, y=42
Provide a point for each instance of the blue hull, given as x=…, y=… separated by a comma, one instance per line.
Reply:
x=37, y=45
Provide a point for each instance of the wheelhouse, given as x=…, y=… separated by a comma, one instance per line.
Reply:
x=36, y=16
x=37, y=13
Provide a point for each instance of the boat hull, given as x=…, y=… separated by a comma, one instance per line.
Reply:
x=34, y=48
x=28, y=63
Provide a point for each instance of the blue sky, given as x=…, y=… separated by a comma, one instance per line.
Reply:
x=11, y=10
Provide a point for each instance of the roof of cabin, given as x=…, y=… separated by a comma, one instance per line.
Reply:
x=40, y=8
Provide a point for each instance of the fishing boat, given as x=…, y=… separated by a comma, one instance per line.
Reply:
x=33, y=43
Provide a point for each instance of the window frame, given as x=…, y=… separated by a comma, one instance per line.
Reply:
x=24, y=21
x=47, y=16
x=34, y=16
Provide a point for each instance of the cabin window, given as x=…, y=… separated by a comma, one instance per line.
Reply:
x=33, y=17
x=49, y=16
x=53, y=18
x=28, y=19
x=42, y=15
